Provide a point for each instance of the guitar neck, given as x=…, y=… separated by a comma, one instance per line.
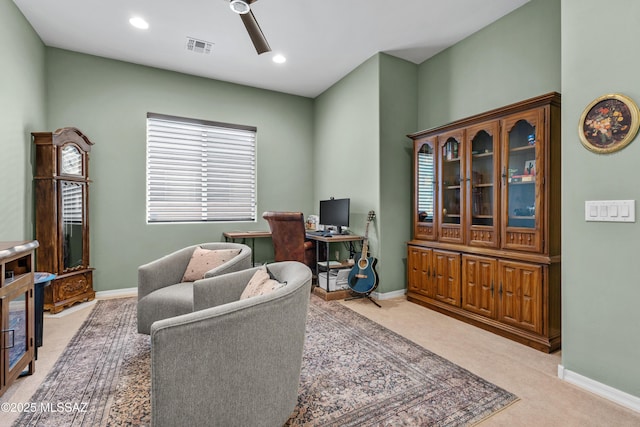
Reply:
x=365, y=242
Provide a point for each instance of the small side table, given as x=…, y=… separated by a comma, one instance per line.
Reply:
x=40, y=280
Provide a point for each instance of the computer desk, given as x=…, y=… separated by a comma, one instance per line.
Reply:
x=335, y=238
x=244, y=235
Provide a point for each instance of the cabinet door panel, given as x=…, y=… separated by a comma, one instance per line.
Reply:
x=424, y=169
x=523, y=172
x=421, y=271
x=18, y=338
x=447, y=277
x=414, y=272
x=427, y=273
x=478, y=284
x=482, y=183
x=521, y=295
x=451, y=189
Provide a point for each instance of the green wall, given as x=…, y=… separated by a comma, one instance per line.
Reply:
x=398, y=117
x=22, y=108
x=108, y=100
x=347, y=141
x=346, y=145
x=515, y=58
x=360, y=152
x=600, y=282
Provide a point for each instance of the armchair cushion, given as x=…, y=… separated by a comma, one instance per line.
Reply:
x=204, y=260
x=169, y=301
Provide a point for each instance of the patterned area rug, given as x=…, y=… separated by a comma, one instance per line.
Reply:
x=355, y=373
x=101, y=378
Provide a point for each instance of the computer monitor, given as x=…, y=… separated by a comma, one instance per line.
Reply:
x=335, y=212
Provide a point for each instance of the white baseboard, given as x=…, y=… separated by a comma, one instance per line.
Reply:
x=389, y=295
x=620, y=397
x=117, y=293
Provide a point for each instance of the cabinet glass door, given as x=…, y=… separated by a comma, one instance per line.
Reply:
x=72, y=217
x=451, y=191
x=483, y=196
x=16, y=334
x=425, y=191
x=523, y=172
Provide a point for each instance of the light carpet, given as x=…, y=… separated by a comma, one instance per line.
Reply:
x=355, y=373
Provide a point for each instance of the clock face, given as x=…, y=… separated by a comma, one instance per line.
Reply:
x=71, y=161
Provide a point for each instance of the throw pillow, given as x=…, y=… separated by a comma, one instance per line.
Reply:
x=260, y=284
x=204, y=260
x=272, y=276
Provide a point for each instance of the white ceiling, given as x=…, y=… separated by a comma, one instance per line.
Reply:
x=323, y=40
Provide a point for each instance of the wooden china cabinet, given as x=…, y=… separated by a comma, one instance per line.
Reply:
x=486, y=229
x=61, y=182
x=17, y=346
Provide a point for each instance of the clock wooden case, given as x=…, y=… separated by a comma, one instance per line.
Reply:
x=61, y=183
x=486, y=229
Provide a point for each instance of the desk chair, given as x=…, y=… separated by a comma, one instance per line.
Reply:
x=288, y=236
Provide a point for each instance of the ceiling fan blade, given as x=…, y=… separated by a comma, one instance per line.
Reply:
x=257, y=37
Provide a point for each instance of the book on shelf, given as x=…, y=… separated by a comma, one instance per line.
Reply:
x=522, y=178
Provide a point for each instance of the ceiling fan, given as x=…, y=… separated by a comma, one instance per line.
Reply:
x=243, y=8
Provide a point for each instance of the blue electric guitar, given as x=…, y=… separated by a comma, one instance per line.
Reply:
x=363, y=278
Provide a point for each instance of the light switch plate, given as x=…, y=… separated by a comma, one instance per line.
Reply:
x=610, y=210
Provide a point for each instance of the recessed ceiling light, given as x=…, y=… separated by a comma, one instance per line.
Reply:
x=279, y=59
x=139, y=23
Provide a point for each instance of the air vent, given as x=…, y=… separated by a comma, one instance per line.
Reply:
x=199, y=46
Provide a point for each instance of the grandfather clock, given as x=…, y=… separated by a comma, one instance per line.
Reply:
x=61, y=185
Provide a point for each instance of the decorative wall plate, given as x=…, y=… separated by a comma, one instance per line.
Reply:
x=609, y=123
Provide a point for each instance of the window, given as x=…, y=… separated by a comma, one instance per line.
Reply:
x=200, y=171
x=426, y=175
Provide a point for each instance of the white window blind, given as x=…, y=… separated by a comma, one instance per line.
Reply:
x=200, y=171
x=71, y=202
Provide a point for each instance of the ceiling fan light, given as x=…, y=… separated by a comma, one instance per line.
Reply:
x=240, y=6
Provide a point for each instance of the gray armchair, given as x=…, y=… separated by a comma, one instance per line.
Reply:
x=161, y=292
x=232, y=362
